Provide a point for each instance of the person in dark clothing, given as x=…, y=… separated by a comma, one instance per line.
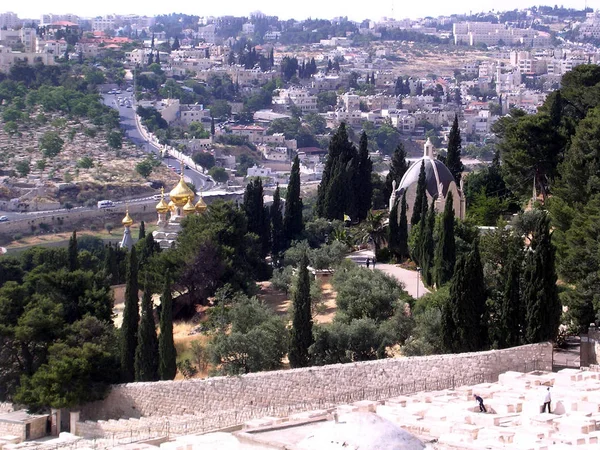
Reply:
x=368, y=262
x=373, y=263
x=481, y=405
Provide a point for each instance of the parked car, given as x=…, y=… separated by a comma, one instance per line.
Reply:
x=3, y=219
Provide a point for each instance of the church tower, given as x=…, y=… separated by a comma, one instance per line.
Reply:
x=127, y=241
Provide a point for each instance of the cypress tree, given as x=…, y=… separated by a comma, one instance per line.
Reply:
x=146, y=352
x=511, y=317
x=540, y=294
x=398, y=168
x=453, y=161
x=342, y=155
x=420, y=196
x=212, y=126
x=445, y=252
x=301, y=332
x=253, y=207
x=293, y=223
x=142, y=231
x=465, y=329
x=167, y=354
x=363, y=187
x=131, y=317
x=73, y=252
x=403, y=230
x=427, y=244
x=277, y=237
x=393, y=231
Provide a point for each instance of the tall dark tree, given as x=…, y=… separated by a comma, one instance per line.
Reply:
x=420, y=197
x=293, y=223
x=142, y=231
x=511, y=311
x=464, y=324
x=175, y=45
x=167, y=354
x=151, y=58
x=301, y=332
x=335, y=195
x=540, y=293
x=445, y=252
x=253, y=207
x=398, y=168
x=453, y=161
x=73, y=252
x=363, y=186
x=131, y=317
x=393, y=231
x=277, y=236
x=146, y=352
x=427, y=244
x=403, y=252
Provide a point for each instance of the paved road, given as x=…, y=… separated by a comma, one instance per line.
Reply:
x=129, y=126
x=409, y=278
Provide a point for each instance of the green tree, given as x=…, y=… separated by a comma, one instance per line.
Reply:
x=398, y=168
x=219, y=174
x=255, y=341
x=23, y=167
x=254, y=209
x=115, y=139
x=204, y=159
x=445, y=251
x=144, y=168
x=336, y=194
x=511, y=312
x=453, y=161
x=363, y=188
x=146, y=352
x=277, y=233
x=531, y=148
x=293, y=222
x=175, y=45
x=393, y=233
x=403, y=230
x=131, y=316
x=301, y=333
x=540, y=293
x=428, y=244
x=142, y=231
x=420, y=197
x=167, y=367
x=464, y=325
x=51, y=144
x=72, y=252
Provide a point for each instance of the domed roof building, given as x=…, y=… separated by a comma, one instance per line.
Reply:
x=180, y=205
x=439, y=182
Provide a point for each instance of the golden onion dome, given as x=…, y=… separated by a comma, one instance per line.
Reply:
x=171, y=206
x=127, y=220
x=180, y=193
x=162, y=206
x=200, y=205
x=189, y=207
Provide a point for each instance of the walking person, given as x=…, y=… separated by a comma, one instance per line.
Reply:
x=479, y=400
x=368, y=262
x=373, y=261
x=547, y=401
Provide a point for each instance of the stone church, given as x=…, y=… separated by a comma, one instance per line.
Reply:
x=440, y=182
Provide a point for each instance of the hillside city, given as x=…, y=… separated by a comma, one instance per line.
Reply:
x=248, y=232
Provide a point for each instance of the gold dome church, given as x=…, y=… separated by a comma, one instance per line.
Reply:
x=170, y=214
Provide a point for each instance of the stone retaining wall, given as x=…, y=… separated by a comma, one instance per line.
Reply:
x=290, y=387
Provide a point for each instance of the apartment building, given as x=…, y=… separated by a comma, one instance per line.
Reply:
x=8, y=58
x=25, y=36
x=104, y=23
x=300, y=98
x=9, y=20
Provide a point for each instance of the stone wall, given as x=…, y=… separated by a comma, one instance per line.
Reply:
x=6, y=407
x=12, y=429
x=310, y=385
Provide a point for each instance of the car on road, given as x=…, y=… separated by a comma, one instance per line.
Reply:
x=3, y=219
x=105, y=204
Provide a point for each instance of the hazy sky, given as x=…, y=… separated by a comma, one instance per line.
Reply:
x=285, y=9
